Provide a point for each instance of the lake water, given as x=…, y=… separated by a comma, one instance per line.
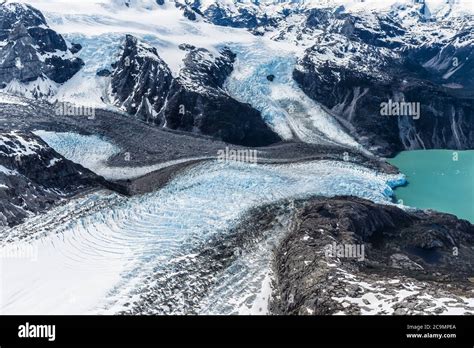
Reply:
x=442, y=180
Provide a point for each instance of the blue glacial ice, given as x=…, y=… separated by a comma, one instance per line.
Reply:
x=86, y=88
x=93, y=152
x=97, y=253
x=284, y=106
x=90, y=151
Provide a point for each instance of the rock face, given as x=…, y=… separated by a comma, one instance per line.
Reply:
x=31, y=54
x=194, y=101
x=358, y=59
x=33, y=177
x=249, y=17
x=197, y=101
x=358, y=64
x=349, y=255
x=141, y=80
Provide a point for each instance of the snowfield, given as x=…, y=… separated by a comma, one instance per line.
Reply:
x=99, y=26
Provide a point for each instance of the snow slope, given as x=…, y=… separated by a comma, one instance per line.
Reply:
x=99, y=27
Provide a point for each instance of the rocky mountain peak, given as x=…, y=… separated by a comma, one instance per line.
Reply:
x=18, y=32
x=12, y=13
x=141, y=80
x=30, y=51
x=205, y=69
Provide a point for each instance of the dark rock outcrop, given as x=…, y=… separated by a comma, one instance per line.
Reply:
x=186, y=47
x=194, y=101
x=141, y=80
x=189, y=10
x=31, y=50
x=104, y=73
x=33, y=177
x=349, y=255
x=75, y=47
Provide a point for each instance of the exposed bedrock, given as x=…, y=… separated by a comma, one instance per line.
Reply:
x=30, y=51
x=34, y=177
x=354, y=91
x=359, y=61
x=194, y=101
x=394, y=257
x=141, y=80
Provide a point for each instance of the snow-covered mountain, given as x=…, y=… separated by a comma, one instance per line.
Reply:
x=168, y=85
x=34, y=59
x=193, y=101
x=352, y=69
x=33, y=177
x=348, y=55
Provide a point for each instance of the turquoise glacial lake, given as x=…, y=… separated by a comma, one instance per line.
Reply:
x=441, y=180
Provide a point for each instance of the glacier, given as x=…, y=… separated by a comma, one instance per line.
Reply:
x=100, y=252
x=90, y=151
x=93, y=153
x=103, y=253
x=284, y=106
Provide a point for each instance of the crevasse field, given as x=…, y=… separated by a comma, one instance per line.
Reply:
x=97, y=253
x=100, y=252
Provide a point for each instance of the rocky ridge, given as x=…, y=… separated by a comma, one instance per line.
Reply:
x=194, y=101
x=34, y=177
x=358, y=64
x=34, y=59
x=392, y=261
